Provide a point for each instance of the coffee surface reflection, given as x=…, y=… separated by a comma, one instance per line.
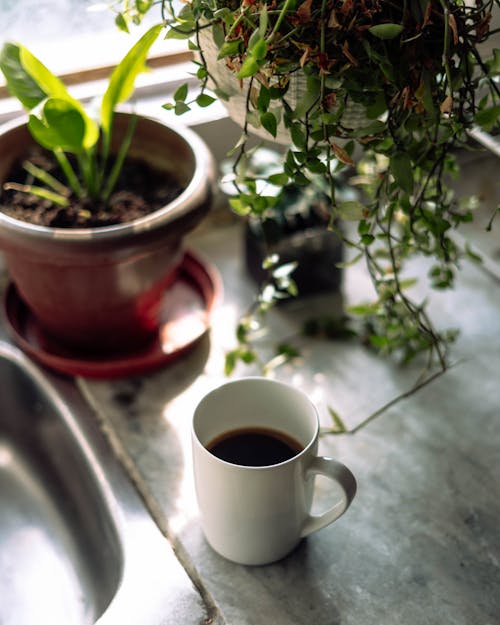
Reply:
x=254, y=447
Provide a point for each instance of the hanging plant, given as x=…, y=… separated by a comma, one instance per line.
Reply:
x=391, y=88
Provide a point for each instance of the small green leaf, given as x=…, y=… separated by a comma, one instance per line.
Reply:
x=269, y=122
x=285, y=270
x=386, y=31
x=349, y=263
x=203, y=100
x=259, y=50
x=298, y=136
x=180, y=32
x=264, y=99
x=50, y=84
x=121, y=23
x=230, y=362
x=263, y=21
x=367, y=239
x=494, y=63
x=181, y=92
x=401, y=168
x=306, y=103
x=316, y=166
x=363, y=309
x=351, y=210
x=378, y=341
x=488, y=118
x=122, y=80
x=229, y=48
x=473, y=255
x=339, y=425
x=239, y=206
x=249, y=67
x=280, y=180
x=181, y=108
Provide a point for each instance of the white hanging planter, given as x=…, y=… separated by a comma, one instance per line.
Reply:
x=225, y=80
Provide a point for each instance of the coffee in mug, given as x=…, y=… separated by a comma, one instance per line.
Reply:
x=255, y=445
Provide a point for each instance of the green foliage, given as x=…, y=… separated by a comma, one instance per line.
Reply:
x=59, y=122
x=413, y=73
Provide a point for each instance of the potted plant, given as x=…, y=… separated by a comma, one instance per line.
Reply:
x=294, y=230
x=95, y=206
x=389, y=88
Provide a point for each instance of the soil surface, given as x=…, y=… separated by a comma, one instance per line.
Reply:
x=140, y=190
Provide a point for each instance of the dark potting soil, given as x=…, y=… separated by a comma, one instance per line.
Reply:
x=140, y=190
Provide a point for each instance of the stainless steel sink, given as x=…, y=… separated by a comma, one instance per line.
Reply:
x=77, y=545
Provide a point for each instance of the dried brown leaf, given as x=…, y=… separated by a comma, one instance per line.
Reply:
x=304, y=11
x=341, y=154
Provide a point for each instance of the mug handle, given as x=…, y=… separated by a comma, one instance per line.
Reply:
x=339, y=473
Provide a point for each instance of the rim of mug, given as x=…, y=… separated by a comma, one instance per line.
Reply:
x=267, y=467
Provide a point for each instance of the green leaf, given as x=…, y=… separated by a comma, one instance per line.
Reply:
x=230, y=362
x=339, y=425
x=180, y=32
x=494, y=63
x=181, y=107
x=351, y=210
x=472, y=255
x=259, y=50
x=181, y=93
x=269, y=122
x=280, y=180
x=367, y=239
x=46, y=80
x=284, y=271
x=378, y=341
x=316, y=166
x=19, y=83
x=298, y=136
x=386, y=31
x=62, y=126
x=249, y=67
x=122, y=80
x=239, y=206
x=121, y=23
x=401, y=168
x=488, y=118
x=363, y=310
x=349, y=263
x=263, y=21
x=203, y=100
x=306, y=103
x=254, y=40
x=229, y=48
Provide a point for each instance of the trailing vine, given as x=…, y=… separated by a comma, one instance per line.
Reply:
x=386, y=91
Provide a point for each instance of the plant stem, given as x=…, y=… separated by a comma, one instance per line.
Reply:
x=71, y=177
x=41, y=192
x=281, y=17
x=119, y=160
x=46, y=178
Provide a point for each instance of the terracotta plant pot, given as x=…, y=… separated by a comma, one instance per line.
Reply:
x=99, y=289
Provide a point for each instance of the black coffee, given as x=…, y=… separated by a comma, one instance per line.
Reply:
x=254, y=447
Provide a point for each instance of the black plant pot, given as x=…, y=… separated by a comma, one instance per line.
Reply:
x=297, y=231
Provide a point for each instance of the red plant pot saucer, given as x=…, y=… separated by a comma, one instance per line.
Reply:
x=185, y=317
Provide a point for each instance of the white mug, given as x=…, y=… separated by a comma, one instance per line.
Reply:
x=258, y=514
